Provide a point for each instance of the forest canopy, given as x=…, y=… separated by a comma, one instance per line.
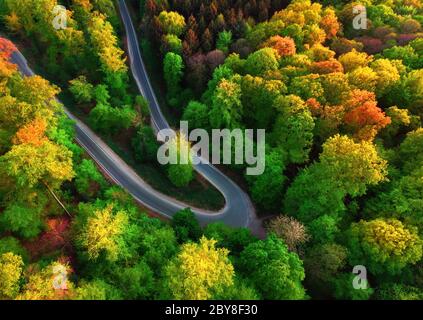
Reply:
x=343, y=183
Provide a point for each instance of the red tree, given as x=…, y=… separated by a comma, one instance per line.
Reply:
x=6, y=48
x=285, y=46
x=364, y=117
x=328, y=66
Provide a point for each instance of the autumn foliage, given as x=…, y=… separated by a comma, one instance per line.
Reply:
x=364, y=116
x=32, y=133
x=285, y=46
x=6, y=50
x=328, y=66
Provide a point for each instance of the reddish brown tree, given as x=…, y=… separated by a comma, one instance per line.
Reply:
x=328, y=66
x=285, y=46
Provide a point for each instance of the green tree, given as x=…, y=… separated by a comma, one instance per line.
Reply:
x=261, y=61
x=402, y=199
x=145, y=145
x=111, y=120
x=323, y=229
x=186, y=226
x=293, y=130
x=197, y=115
x=181, y=172
x=267, y=189
x=171, y=43
x=233, y=239
x=81, y=89
x=322, y=264
x=240, y=290
x=258, y=98
x=101, y=94
x=343, y=288
x=173, y=67
x=136, y=282
x=226, y=110
x=158, y=244
x=23, y=219
x=224, y=40
x=410, y=151
x=398, y=291
x=88, y=179
x=11, y=244
x=276, y=273
x=345, y=168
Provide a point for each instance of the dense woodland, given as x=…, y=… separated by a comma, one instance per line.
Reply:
x=343, y=182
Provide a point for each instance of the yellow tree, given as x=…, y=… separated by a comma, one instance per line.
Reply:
x=106, y=44
x=352, y=165
x=10, y=274
x=29, y=164
x=26, y=99
x=388, y=75
x=49, y=283
x=199, y=271
x=384, y=245
x=353, y=60
x=103, y=233
x=171, y=22
x=34, y=90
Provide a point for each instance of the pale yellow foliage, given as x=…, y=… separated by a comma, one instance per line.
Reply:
x=199, y=271
x=390, y=236
x=354, y=59
x=103, y=233
x=10, y=273
x=48, y=163
x=106, y=43
x=353, y=165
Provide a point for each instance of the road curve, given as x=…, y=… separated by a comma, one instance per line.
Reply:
x=238, y=210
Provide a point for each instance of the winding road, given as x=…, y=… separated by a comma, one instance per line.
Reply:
x=238, y=210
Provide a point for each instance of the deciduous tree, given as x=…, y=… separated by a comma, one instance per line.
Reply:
x=188, y=279
x=384, y=245
x=10, y=274
x=275, y=272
